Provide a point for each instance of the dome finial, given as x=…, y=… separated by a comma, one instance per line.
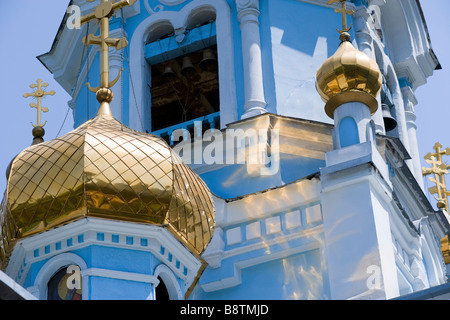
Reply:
x=349, y=75
x=38, y=94
x=103, y=13
x=345, y=36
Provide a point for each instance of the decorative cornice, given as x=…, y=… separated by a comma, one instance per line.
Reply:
x=157, y=240
x=248, y=11
x=121, y=275
x=247, y=4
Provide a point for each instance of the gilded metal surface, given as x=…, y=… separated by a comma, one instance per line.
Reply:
x=104, y=169
x=348, y=69
x=348, y=74
x=445, y=248
x=103, y=13
x=350, y=96
x=344, y=12
x=438, y=171
x=38, y=94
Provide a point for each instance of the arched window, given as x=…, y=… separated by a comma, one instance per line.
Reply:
x=348, y=132
x=181, y=26
x=161, y=293
x=169, y=286
x=65, y=284
x=184, y=77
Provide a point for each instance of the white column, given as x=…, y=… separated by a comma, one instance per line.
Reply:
x=410, y=101
x=357, y=235
x=365, y=44
x=248, y=16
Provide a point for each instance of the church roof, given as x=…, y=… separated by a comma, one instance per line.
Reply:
x=104, y=169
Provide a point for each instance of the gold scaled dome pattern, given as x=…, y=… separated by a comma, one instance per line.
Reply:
x=104, y=169
x=348, y=75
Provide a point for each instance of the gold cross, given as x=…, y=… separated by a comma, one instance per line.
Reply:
x=38, y=94
x=439, y=169
x=344, y=12
x=102, y=13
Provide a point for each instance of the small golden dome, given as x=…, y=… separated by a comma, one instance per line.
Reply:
x=349, y=75
x=104, y=169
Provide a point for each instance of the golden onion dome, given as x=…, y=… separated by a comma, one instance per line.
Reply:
x=347, y=76
x=106, y=170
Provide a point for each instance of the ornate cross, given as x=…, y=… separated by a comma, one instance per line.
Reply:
x=102, y=13
x=344, y=12
x=38, y=94
x=439, y=169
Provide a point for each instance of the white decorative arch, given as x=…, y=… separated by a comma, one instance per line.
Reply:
x=170, y=281
x=140, y=73
x=49, y=269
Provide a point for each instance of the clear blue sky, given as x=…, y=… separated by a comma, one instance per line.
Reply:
x=28, y=28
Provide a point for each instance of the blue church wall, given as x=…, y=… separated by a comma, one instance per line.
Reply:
x=114, y=259
x=115, y=289
x=290, y=278
x=233, y=181
x=286, y=245
x=298, y=48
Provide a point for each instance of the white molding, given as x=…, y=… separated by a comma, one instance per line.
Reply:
x=121, y=275
x=6, y=280
x=312, y=242
x=262, y=205
x=171, y=283
x=49, y=269
x=248, y=17
x=156, y=237
x=306, y=233
x=139, y=73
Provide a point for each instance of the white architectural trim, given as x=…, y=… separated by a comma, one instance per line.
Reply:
x=159, y=241
x=312, y=242
x=14, y=286
x=248, y=16
x=140, y=73
x=170, y=281
x=121, y=275
x=49, y=269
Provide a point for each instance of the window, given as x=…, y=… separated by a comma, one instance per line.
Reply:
x=184, y=88
x=184, y=78
x=161, y=291
x=348, y=132
x=62, y=286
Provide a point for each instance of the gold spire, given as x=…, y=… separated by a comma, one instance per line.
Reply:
x=38, y=94
x=349, y=75
x=344, y=12
x=439, y=169
x=102, y=13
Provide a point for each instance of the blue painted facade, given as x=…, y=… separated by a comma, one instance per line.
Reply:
x=288, y=35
